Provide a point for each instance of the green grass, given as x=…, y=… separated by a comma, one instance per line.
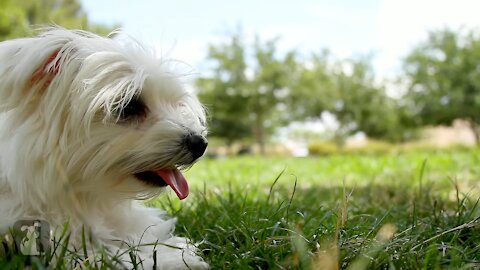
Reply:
x=412, y=210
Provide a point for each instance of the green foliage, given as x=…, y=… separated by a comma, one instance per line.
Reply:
x=226, y=94
x=361, y=105
x=372, y=147
x=443, y=77
x=322, y=148
x=253, y=90
x=377, y=147
x=414, y=210
x=347, y=89
x=443, y=166
x=19, y=18
x=248, y=216
x=247, y=94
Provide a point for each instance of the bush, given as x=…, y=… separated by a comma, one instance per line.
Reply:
x=373, y=147
x=322, y=148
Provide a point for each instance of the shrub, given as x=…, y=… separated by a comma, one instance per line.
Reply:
x=373, y=147
x=322, y=148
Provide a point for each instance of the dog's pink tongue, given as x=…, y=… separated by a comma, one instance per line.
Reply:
x=175, y=179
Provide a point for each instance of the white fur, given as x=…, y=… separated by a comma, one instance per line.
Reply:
x=65, y=157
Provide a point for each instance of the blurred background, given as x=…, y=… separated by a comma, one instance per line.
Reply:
x=305, y=77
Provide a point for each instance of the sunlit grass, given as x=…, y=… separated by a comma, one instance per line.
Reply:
x=407, y=211
x=440, y=167
x=411, y=210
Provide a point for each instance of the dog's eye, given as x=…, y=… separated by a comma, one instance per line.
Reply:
x=135, y=109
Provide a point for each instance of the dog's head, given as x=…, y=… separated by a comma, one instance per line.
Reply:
x=99, y=115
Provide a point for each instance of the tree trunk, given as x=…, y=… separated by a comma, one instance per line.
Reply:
x=476, y=132
x=475, y=127
x=261, y=140
x=259, y=132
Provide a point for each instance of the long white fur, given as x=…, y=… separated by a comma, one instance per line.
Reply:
x=64, y=157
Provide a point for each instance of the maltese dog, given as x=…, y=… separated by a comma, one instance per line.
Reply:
x=89, y=126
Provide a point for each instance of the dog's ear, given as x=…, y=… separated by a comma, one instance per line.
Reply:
x=28, y=67
x=44, y=74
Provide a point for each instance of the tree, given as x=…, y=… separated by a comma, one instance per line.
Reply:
x=444, y=79
x=269, y=91
x=347, y=89
x=247, y=94
x=361, y=104
x=254, y=89
x=226, y=92
x=17, y=18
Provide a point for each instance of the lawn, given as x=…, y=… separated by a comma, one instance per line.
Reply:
x=409, y=210
x=413, y=210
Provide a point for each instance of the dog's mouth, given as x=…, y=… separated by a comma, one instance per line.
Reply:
x=166, y=177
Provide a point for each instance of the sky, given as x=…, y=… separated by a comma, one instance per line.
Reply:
x=388, y=29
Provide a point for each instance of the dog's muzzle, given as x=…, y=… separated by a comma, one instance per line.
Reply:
x=196, y=145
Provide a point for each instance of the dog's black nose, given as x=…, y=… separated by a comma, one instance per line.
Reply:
x=196, y=144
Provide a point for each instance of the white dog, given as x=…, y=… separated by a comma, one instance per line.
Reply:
x=87, y=127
